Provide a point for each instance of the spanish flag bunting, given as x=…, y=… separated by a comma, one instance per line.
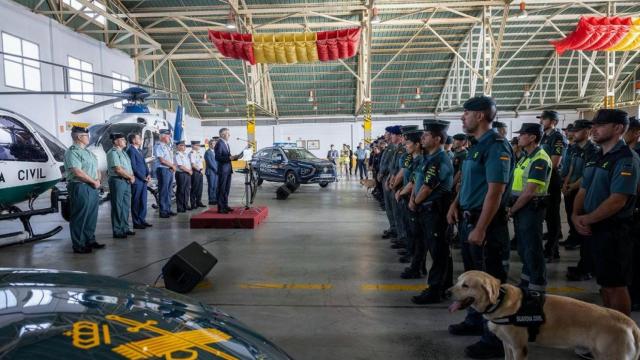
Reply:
x=287, y=48
x=602, y=33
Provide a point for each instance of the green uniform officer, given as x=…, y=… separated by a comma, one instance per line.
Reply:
x=554, y=143
x=459, y=154
x=603, y=208
x=431, y=200
x=82, y=178
x=410, y=161
x=120, y=180
x=391, y=138
x=529, y=191
x=482, y=199
x=394, y=182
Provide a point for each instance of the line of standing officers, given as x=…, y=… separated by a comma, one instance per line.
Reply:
x=128, y=176
x=482, y=182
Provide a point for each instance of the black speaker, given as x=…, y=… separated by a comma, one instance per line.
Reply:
x=292, y=187
x=283, y=192
x=187, y=268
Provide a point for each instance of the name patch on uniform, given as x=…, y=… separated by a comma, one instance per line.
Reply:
x=624, y=173
x=539, y=167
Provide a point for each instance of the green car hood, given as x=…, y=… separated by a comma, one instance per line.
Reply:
x=50, y=314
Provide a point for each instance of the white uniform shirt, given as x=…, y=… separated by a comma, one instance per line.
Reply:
x=195, y=157
x=182, y=159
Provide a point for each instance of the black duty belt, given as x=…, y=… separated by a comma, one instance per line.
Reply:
x=118, y=178
x=536, y=201
x=472, y=216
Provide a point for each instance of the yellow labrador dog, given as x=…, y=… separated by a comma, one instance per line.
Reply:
x=569, y=323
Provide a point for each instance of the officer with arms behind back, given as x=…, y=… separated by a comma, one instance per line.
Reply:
x=482, y=200
x=603, y=207
x=529, y=191
x=554, y=143
x=164, y=172
x=120, y=180
x=431, y=199
x=82, y=178
x=195, y=157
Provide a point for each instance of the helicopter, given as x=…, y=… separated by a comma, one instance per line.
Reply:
x=32, y=159
x=31, y=163
x=135, y=118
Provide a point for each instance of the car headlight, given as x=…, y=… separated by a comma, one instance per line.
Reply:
x=305, y=171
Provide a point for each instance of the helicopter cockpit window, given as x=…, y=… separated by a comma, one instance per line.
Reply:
x=17, y=142
x=55, y=146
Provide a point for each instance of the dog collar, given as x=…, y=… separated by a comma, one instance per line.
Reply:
x=493, y=307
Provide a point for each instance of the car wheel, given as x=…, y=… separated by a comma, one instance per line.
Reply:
x=290, y=179
x=323, y=184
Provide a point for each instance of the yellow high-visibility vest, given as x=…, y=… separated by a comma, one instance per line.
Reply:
x=521, y=174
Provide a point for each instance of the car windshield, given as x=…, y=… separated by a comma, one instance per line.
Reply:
x=298, y=154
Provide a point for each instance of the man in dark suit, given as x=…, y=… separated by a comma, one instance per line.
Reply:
x=139, y=187
x=224, y=159
x=212, y=172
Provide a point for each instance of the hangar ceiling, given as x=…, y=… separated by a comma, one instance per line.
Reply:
x=443, y=50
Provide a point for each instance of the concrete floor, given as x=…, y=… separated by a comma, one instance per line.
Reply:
x=315, y=277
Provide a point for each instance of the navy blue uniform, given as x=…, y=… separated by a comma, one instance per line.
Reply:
x=139, y=187
x=212, y=176
x=225, y=171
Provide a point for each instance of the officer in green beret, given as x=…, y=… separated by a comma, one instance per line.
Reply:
x=529, y=191
x=430, y=199
x=480, y=211
x=120, y=179
x=83, y=184
x=554, y=143
x=603, y=208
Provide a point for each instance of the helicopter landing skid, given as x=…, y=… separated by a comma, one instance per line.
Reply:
x=14, y=212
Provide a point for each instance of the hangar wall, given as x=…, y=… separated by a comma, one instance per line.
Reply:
x=56, y=42
x=351, y=133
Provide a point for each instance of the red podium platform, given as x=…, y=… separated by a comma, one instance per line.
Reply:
x=240, y=218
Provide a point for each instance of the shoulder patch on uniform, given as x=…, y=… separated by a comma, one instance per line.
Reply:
x=505, y=157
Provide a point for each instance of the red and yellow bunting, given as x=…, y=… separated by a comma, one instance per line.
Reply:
x=287, y=48
x=602, y=33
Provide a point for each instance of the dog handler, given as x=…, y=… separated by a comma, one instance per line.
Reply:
x=483, y=229
x=529, y=191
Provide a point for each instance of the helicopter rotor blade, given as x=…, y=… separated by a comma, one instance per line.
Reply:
x=158, y=97
x=96, y=105
x=118, y=95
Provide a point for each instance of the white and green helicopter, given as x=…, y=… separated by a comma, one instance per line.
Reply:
x=31, y=163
